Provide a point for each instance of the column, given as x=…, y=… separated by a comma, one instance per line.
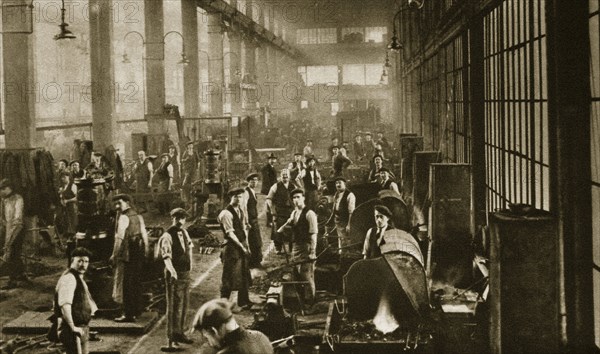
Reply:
x=570, y=162
x=191, y=78
x=155, y=74
x=214, y=89
x=19, y=90
x=250, y=63
x=235, y=68
x=102, y=73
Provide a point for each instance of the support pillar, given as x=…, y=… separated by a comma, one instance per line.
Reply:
x=214, y=89
x=570, y=160
x=155, y=74
x=102, y=72
x=191, y=77
x=235, y=68
x=18, y=61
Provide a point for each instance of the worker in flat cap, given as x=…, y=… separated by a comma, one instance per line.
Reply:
x=190, y=164
x=305, y=228
x=369, y=146
x=98, y=167
x=250, y=206
x=344, y=204
x=279, y=201
x=164, y=178
x=176, y=250
x=311, y=180
x=374, y=175
x=223, y=334
x=386, y=180
x=236, y=251
x=296, y=168
x=128, y=257
x=269, y=178
x=13, y=208
x=375, y=235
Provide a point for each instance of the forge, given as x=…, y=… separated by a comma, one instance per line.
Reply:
x=386, y=304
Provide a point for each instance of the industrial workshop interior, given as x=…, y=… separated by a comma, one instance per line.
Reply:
x=300, y=176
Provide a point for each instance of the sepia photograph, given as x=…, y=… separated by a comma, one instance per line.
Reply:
x=299, y=176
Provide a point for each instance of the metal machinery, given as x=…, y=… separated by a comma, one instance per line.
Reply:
x=215, y=183
x=96, y=232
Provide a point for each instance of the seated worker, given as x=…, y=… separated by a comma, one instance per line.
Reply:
x=224, y=335
x=375, y=235
x=374, y=176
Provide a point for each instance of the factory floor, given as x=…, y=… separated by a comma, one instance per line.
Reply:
x=37, y=295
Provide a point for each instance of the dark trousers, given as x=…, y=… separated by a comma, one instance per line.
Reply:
x=132, y=288
x=177, y=292
x=13, y=263
x=255, y=243
x=69, y=339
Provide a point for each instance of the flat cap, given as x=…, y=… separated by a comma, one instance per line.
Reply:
x=376, y=156
x=252, y=176
x=340, y=178
x=235, y=191
x=65, y=161
x=124, y=197
x=384, y=169
x=165, y=154
x=382, y=209
x=179, y=212
x=298, y=154
x=272, y=156
x=81, y=252
x=213, y=313
x=297, y=191
x=310, y=159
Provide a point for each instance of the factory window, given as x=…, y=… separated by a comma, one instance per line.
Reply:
x=516, y=105
x=316, y=36
x=353, y=34
x=375, y=34
x=323, y=75
x=455, y=123
x=595, y=148
x=361, y=74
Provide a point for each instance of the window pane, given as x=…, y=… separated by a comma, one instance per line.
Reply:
x=353, y=74
x=373, y=74
x=375, y=34
x=353, y=34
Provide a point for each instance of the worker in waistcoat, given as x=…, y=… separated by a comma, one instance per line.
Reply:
x=236, y=252
x=386, y=181
x=280, y=203
x=269, y=178
x=296, y=168
x=251, y=210
x=311, y=179
x=305, y=228
x=73, y=305
x=67, y=212
x=129, y=254
x=164, y=178
x=344, y=205
x=375, y=235
x=143, y=172
x=176, y=250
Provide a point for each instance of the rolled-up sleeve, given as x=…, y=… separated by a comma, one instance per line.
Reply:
x=226, y=220
x=313, y=224
x=66, y=289
x=351, y=203
x=166, y=246
x=272, y=191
